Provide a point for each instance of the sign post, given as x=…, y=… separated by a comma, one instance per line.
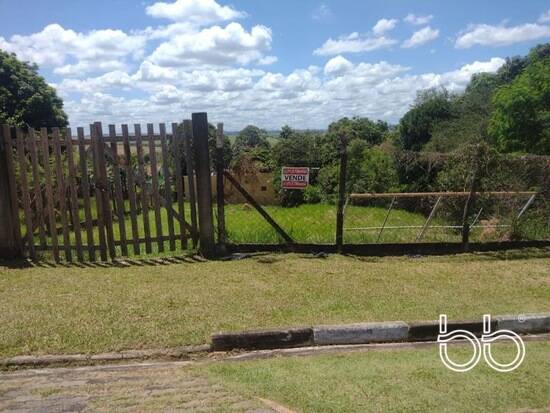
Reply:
x=294, y=177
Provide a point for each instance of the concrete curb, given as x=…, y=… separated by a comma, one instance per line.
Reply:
x=58, y=360
x=365, y=333
x=524, y=323
x=263, y=339
x=360, y=333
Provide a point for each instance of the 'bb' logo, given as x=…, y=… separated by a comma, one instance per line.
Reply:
x=480, y=345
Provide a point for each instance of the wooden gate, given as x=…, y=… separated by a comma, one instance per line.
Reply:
x=97, y=195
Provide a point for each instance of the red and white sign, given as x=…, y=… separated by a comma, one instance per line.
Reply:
x=295, y=177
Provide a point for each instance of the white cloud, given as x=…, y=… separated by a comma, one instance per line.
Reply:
x=337, y=65
x=418, y=20
x=200, y=12
x=384, y=25
x=420, y=37
x=545, y=17
x=268, y=60
x=353, y=43
x=487, y=35
x=86, y=66
x=214, y=46
x=322, y=12
x=96, y=50
x=458, y=79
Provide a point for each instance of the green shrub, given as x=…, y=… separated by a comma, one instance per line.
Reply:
x=312, y=194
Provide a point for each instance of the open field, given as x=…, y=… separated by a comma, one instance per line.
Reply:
x=393, y=381
x=73, y=309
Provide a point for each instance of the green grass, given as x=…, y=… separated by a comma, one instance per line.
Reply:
x=411, y=380
x=86, y=309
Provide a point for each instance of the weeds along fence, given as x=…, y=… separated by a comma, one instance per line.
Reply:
x=93, y=196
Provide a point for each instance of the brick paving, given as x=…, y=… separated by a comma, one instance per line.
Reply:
x=145, y=387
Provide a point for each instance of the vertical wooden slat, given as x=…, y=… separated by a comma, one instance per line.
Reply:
x=187, y=136
x=143, y=185
x=61, y=194
x=341, y=193
x=118, y=191
x=74, y=195
x=84, y=180
x=10, y=165
x=131, y=188
x=31, y=141
x=155, y=186
x=25, y=191
x=106, y=203
x=167, y=186
x=178, y=180
x=98, y=195
x=220, y=195
x=49, y=192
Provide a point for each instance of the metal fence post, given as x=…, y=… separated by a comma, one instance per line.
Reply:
x=204, y=186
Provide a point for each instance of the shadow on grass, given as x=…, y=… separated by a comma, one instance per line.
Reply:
x=117, y=263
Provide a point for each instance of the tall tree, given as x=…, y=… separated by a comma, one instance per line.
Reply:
x=521, y=118
x=417, y=125
x=25, y=97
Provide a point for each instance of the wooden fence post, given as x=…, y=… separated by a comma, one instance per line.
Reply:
x=190, y=169
x=9, y=247
x=341, y=193
x=220, y=200
x=204, y=186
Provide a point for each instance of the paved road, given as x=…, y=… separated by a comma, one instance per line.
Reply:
x=173, y=386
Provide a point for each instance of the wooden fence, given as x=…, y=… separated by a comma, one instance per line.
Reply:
x=97, y=195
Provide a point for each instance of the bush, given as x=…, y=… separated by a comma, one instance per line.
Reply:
x=312, y=194
x=328, y=183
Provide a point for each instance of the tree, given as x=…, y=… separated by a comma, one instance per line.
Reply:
x=521, y=118
x=416, y=126
x=361, y=128
x=25, y=97
x=251, y=137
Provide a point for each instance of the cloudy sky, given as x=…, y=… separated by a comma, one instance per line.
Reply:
x=266, y=62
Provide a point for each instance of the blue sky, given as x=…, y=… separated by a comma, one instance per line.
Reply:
x=270, y=63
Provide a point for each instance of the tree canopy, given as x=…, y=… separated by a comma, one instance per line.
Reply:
x=520, y=121
x=25, y=97
x=417, y=125
x=507, y=109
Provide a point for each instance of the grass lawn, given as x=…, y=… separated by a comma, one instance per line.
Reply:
x=393, y=380
x=83, y=309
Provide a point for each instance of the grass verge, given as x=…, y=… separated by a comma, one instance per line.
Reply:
x=82, y=309
x=393, y=380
